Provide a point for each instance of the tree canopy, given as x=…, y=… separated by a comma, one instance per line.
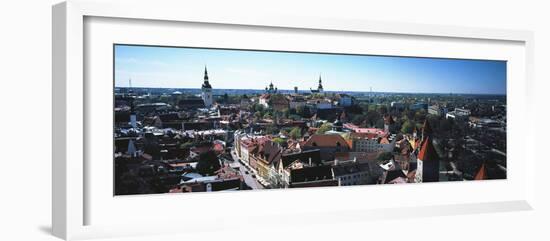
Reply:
x=279, y=140
x=295, y=133
x=324, y=128
x=407, y=127
x=208, y=163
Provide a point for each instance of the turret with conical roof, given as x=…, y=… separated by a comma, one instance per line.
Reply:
x=427, y=169
x=481, y=173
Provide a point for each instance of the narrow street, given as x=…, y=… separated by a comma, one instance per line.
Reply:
x=246, y=173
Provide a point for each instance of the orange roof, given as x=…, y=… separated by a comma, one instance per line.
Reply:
x=427, y=151
x=350, y=142
x=326, y=140
x=416, y=143
x=481, y=174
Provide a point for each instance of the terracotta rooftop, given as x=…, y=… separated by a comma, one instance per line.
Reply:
x=481, y=174
x=427, y=151
x=326, y=140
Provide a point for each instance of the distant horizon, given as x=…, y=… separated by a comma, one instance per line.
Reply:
x=299, y=90
x=183, y=68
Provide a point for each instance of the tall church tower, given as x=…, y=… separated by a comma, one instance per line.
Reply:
x=427, y=169
x=320, y=87
x=206, y=90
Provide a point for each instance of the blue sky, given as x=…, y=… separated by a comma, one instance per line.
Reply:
x=169, y=67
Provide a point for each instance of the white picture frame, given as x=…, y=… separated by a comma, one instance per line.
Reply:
x=71, y=191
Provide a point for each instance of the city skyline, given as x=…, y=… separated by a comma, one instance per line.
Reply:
x=175, y=67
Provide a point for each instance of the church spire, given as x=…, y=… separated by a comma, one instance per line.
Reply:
x=206, y=84
x=320, y=87
x=206, y=90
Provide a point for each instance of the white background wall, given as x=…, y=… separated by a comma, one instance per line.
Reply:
x=25, y=119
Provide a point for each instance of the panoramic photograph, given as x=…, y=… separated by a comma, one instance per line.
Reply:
x=207, y=120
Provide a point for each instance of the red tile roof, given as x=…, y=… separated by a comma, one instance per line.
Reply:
x=326, y=140
x=427, y=151
x=481, y=174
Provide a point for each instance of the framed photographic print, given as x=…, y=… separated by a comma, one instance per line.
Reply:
x=168, y=112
